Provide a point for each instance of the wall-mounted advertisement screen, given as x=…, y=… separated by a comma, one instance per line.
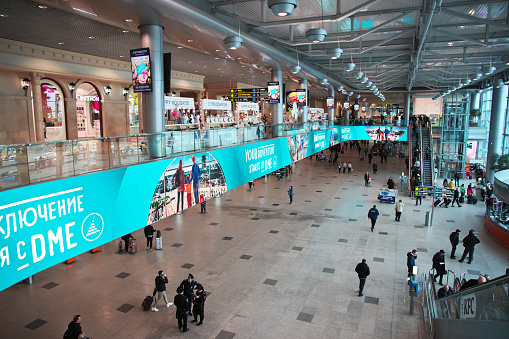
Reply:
x=363, y=109
x=356, y=107
x=273, y=90
x=140, y=68
x=346, y=105
x=330, y=102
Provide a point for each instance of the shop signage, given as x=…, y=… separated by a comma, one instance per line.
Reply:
x=178, y=103
x=247, y=106
x=140, y=68
x=274, y=94
x=87, y=97
x=467, y=307
x=222, y=105
x=248, y=90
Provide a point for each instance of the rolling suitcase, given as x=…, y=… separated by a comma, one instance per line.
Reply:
x=159, y=243
x=147, y=302
x=120, y=247
x=473, y=200
x=462, y=200
x=132, y=246
x=437, y=202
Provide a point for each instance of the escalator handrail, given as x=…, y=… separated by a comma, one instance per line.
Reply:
x=477, y=288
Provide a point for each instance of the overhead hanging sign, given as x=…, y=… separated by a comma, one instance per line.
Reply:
x=217, y=104
x=140, y=68
x=247, y=106
x=178, y=103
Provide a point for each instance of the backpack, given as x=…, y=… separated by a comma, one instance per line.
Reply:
x=68, y=334
x=177, y=179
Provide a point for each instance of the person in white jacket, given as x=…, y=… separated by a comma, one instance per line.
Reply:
x=399, y=209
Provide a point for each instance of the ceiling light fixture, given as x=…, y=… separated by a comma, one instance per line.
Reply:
x=295, y=69
x=369, y=83
x=335, y=53
x=477, y=76
x=128, y=20
x=43, y=7
x=358, y=75
x=324, y=81
x=25, y=83
x=364, y=79
x=282, y=7
x=72, y=87
x=125, y=91
x=107, y=90
x=316, y=34
x=349, y=67
x=350, y=94
x=233, y=42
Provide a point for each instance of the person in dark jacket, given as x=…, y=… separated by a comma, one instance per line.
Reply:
x=199, y=304
x=366, y=179
x=439, y=265
x=75, y=327
x=456, y=197
x=444, y=292
x=161, y=281
x=188, y=286
x=391, y=183
x=469, y=242
x=126, y=239
x=473, y=282
x=362, y=270
x=149, y=234
x=410, y=262
x=373, y=215
x=454, y=238
x=375, y=167
x=180, y=302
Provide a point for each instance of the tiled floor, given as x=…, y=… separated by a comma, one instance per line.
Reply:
x=273, y=270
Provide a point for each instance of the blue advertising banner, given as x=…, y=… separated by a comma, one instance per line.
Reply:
x=45, y=224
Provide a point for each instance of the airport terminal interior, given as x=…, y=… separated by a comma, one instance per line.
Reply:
x=255, y=136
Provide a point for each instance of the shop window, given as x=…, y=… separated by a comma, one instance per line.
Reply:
x=88, y=112
x=53, y=112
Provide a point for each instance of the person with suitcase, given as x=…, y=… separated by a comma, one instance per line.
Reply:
x=161, y=281
x=456, y=198
x=149, y=234
x=126, y=239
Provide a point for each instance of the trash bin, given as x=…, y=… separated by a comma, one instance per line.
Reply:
x=427, y=220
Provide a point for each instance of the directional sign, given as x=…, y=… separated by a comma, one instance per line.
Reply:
x=429, y=191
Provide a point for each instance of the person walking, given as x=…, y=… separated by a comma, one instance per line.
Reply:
x=469, y=193
x=161, y=281
x=410, y=262
x=179, y=182
x=373, y=215
x=370, y=157
x=469, y=242
x=349, y=167
x=344, y=167
x=339, y=166
x=366, y=179
x=439, y=266
x=375, y=167
x=456, y=197
x=362, y=270
x=454, y=238
x=149, y=234
x=180, y=302
x=418, y=197
x=199, y=304
x=399, y=209
x=290, y=194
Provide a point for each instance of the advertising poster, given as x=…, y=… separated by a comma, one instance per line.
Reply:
x=386, y=133
x=184, y=181
x=334, y=136
x=273, y=90
x=330, y=102
x=318, y=141
x=356, y=107
x=363, y=109
x=298, y=146
x=471, y=148
x=140, y=68
x=346, y=105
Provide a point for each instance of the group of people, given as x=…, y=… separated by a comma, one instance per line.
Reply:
x=189, y=300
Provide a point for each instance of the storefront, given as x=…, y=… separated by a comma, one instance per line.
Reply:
x=248, y=113
x=217, y=113
x=88, y=111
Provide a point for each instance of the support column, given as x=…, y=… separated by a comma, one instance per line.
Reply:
x=277, y=109
x=347, y=112
x=35, y=80
x=495, y=140
x=358, y=113
x=406, y=115
x=303, y=84
x=331, y=110
x=475, y=100
x=153, y=102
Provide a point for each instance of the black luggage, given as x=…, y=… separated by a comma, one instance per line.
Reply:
x=474, y=200
x=462, y=200
x=158, y=234
x=437, y=202
x=147, y=302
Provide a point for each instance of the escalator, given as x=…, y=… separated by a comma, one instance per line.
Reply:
x=427, y=162
x=479, y=311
